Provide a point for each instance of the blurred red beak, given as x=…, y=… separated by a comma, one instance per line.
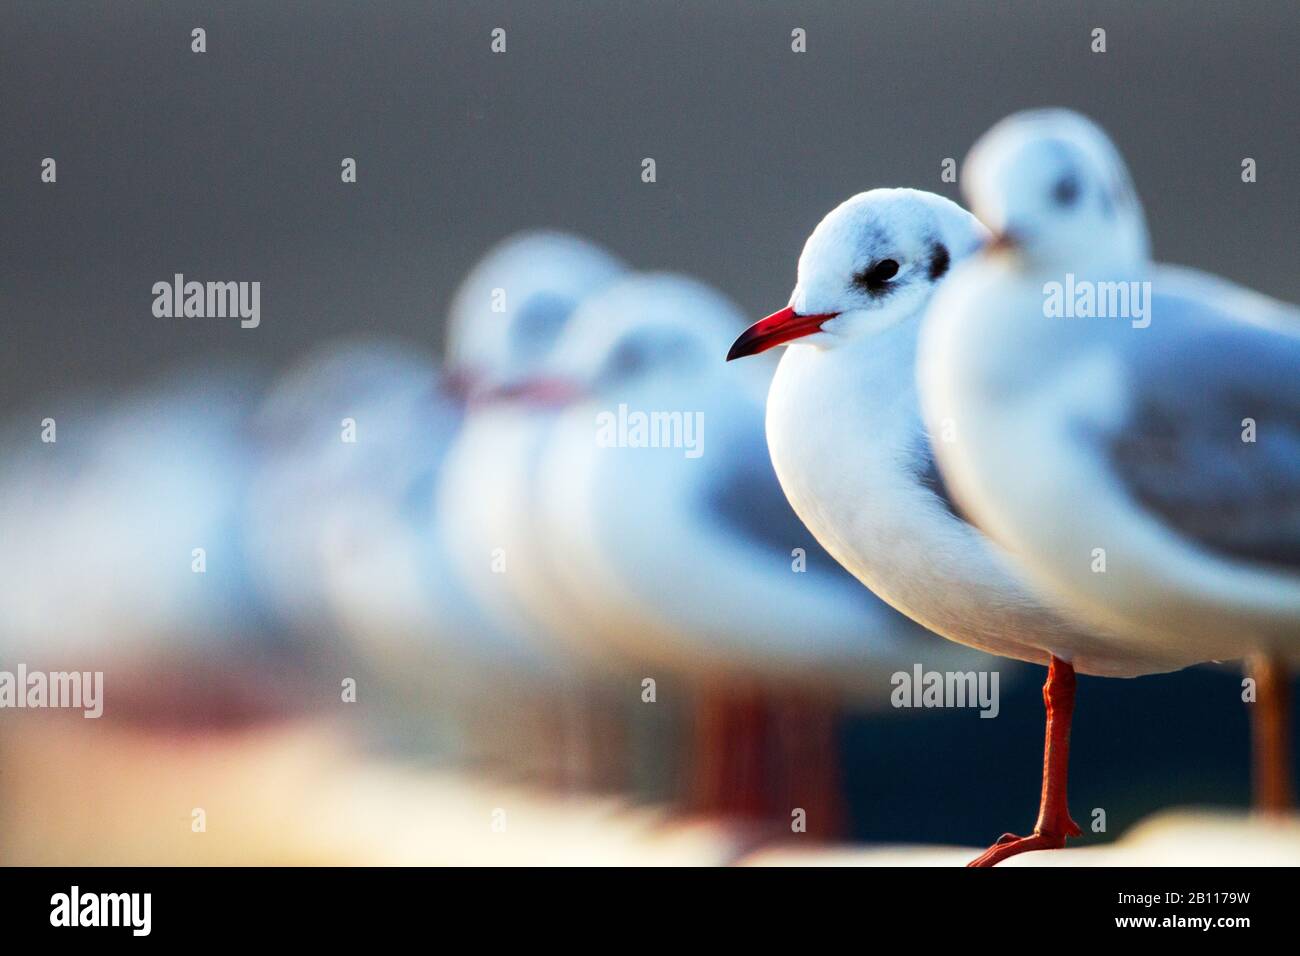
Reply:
x=777, y=328
x=538, y=392
x=1001, y=242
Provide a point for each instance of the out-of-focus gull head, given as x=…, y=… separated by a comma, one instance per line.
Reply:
x=513, y=306
x=657, y=330
x=1053, y=187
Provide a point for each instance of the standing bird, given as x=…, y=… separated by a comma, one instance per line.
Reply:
x=124, y=552
x=505, y=320
x=669, y=530
x=348, y=535
x=510, y=310
x=1130, y=430
x=845, y=431
x=343, y=535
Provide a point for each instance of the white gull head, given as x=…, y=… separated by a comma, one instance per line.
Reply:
x=870, y=264
x=1053, y=188
x=512, y=308
x=650, y=330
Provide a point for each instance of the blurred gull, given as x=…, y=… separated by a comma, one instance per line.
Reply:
x=350, y=538
x=844, y=425
x=681, y=550
x=512, y=307
x=341, y=516
x=346, y=519
x=693, y=539
x=505, y=319
x=124, y=551
x=1144, y=463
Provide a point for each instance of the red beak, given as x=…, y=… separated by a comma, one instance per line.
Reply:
x=1002, y=241
x=777, y=328
x=537, y=392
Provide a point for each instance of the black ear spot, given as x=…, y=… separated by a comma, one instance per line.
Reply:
x=939, y=260
x=1107, y=204
x=1066, y=190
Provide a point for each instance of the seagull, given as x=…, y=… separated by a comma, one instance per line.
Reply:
x=504, y=321
x=678, y=545
x=354, y=535
x=684, y=523
x=345, y=539
x=851, y=451
x=511, y=308
x=353, y=438
x=124, y=551
x=1137, y=446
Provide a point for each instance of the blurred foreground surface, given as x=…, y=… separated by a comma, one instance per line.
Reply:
x=294, y=793
x=322, y=559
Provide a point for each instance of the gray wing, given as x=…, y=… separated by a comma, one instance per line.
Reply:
x=746, y=497
x=1186, y=451
x=930, y=476
x=749, y=502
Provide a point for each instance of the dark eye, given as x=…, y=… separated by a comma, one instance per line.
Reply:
x=539, y=321
x=1065, y=192
x=628, y=359
x=646, y=352
x=874, y=277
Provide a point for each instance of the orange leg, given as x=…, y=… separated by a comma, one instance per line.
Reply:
x=807, y=767
x=1054, y=823
x=1270, y=718
x=730, y=753
x=707, y=776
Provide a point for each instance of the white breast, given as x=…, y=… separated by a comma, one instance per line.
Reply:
x=847, y=442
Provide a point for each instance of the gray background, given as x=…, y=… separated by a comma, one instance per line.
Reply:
x=225, y=166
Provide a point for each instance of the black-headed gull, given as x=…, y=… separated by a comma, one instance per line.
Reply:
x=844, y=426
x=657, y=484
x=344, y=514
x=504, y=322
x=668, y=526
x=342, y=526
x=125, y=553
x=344, y=543
x=1130, y=430
x=513, y=305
